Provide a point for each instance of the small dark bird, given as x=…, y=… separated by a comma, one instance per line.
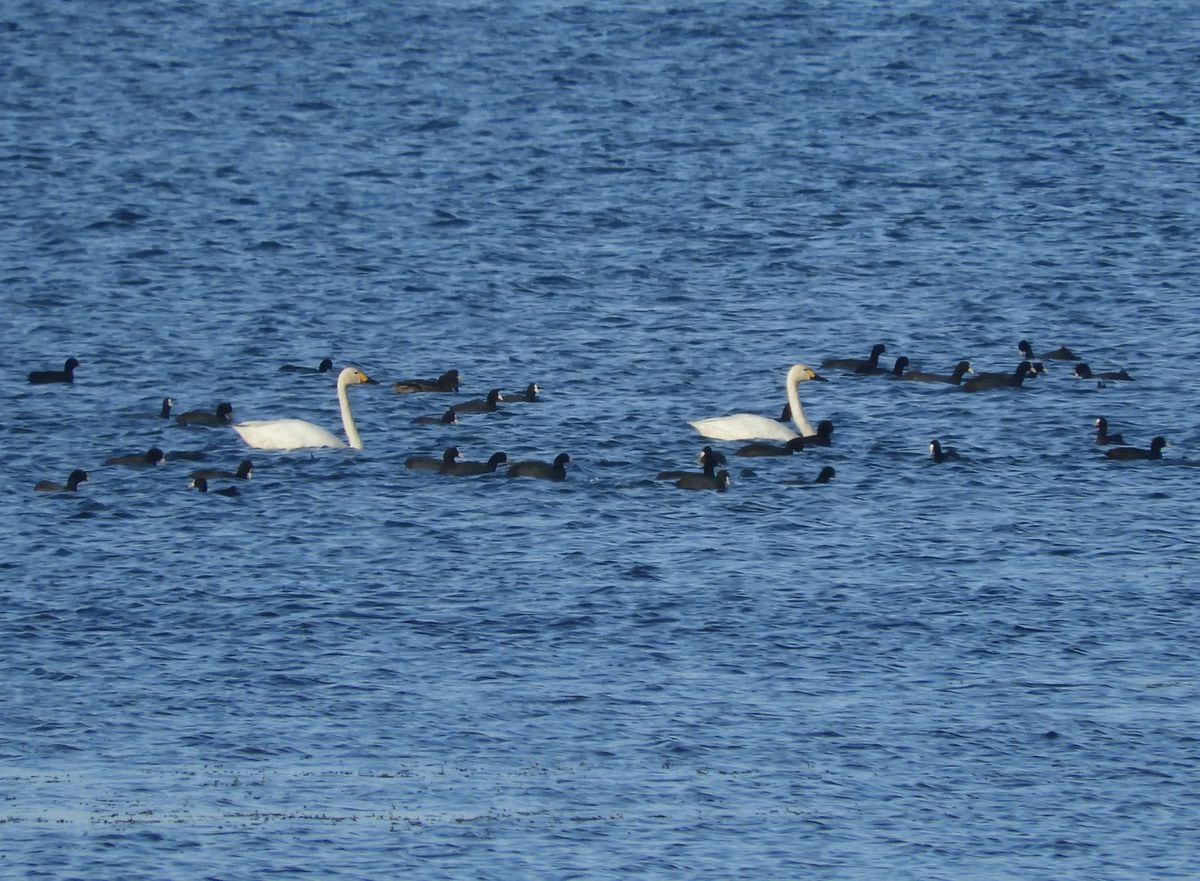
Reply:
x=77, y=477
x=795, y=445
x=868, y=365
x=1155, y=451
x=720, y=482
x=960, y=369
x=824, y=435
x=427, y=463
x=999, y=380
x=708, y=457
x=152, y=456
x=529, y=396
x=1082, y=371
x=481, y=406
x=186, y=455
x=324, y=367
x=165, y=411
x=447, y=382
x=67, y=374
x=245, y=471
x=1102, y=435
x=940, y=454
x=541, y=470
x=827, y=474
x=1062, y=353
x=470, y=469
x=447, y=418
x=223, y=415
x=201, y=484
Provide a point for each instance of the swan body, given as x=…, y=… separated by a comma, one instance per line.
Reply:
x=748, y=426
x=296, y=434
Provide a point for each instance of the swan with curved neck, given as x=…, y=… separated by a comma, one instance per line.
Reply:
x=748, y=426
x=296, y=434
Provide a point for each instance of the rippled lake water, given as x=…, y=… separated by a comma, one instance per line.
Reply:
x=983, y=668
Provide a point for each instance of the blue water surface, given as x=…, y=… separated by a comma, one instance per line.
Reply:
x=979, y=669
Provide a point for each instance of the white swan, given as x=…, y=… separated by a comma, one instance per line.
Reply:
x=296, y=434
x=748, y=426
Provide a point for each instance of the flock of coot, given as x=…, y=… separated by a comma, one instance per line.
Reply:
x=786, y=435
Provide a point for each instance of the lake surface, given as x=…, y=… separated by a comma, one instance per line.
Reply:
x=979, y=669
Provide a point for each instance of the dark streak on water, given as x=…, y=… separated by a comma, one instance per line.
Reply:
x=984, y=669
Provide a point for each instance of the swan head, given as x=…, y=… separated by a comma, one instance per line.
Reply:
x=353, y=376
x=802, y=373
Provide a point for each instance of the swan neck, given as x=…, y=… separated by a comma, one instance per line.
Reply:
x=347, y=416
x=798, y=419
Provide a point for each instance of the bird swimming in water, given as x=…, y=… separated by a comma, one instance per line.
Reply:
x=76, y=477
x=1155, y=451
x=67, y=374
x=324, y=367
x=541, y=470
x=223, y=415
x=447, y=382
